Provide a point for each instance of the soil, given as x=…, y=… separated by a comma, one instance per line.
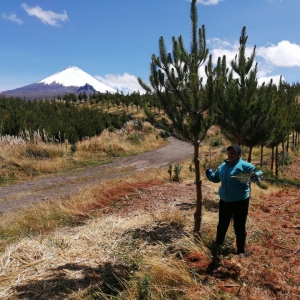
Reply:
x=63, y=185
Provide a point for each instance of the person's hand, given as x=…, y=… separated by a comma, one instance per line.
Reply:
x=208, y=172
x=254, y=177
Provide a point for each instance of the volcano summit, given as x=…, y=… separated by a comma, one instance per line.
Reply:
x=69, y=80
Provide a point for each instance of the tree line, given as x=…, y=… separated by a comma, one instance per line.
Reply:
x=230, y=97
x=247, y=113
x=130, y=100
x=56, y=120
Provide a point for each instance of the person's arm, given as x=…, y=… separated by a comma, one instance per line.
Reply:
x=213, y=177
x=254, y=175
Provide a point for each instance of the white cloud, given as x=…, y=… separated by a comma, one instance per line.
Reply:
x=46, y=16
x=284, y=54
x=7, y=87
x=271, y=1
x=126, y=83
x=218, y=43
x=266, y=80
x=264, y=68
x=12, y=17
x=220, y=48
x=209, y=2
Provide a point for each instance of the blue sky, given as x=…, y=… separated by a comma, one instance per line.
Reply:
x=113, y=40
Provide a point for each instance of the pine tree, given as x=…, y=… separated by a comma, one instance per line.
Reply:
x=286, y=111
x=185, y=100
x=240, y=106
x=264, y=121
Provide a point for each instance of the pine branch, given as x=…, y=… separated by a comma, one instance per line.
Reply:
x=242, y=177
x=283, y=182
x=275, y=181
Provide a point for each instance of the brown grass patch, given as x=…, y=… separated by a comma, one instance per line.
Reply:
x=22, y=159
x=44, y=217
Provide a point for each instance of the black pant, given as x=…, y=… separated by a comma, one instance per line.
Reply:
x=237, y=210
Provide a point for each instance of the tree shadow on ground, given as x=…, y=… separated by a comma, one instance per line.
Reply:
x=211, y=205
x=69, y=278
x=221, y=266
x=208, y=204
x=59, y=284
x=162, y=233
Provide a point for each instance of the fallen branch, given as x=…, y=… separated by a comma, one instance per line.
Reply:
x=286, y=275
x=210, y=293
x=230, y=285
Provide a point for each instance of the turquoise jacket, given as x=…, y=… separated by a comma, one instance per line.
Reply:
x=232, y=189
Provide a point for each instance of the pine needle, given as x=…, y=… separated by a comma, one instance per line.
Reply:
x=275, y=181
x=282, y=182
x=242, y=177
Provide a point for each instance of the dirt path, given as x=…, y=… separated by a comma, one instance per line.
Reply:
x=63, y=185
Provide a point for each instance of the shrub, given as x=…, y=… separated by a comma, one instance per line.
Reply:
x=170, y=170
x=287, y=159
x=136, y=139
x=114, y=151
x=55, y=152
x=215, y=142
x=164, y=134
x=139, y=124
x=73, y=148
x=37, y=152
x=177, y=171
x=148, y=129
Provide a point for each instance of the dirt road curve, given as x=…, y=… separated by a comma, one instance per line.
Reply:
x=63, y=185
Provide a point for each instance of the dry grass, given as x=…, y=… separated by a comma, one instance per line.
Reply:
x=21, y=159
x=131, y=239
x=47, y=216
x=143, y=237
x=128, y=141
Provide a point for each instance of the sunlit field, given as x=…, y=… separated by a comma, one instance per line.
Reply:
x=133, y=239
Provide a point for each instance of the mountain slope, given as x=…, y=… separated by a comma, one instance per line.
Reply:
x=69, y=80
x=73, y=76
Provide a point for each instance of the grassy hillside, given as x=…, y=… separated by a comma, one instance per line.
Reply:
x=23, y=160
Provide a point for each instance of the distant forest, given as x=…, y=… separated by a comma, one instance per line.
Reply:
x=72, y=117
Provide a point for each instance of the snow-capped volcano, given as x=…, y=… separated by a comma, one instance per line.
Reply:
x=73, y=76
x=69, y=80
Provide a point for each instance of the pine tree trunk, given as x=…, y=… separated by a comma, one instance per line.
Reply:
x=250, y=154
x=283, y=153
x=272, y=159
x=261, y=155
x=276, y=161
x=198, y=213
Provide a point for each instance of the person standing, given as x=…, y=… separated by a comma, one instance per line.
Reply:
x=234, y=195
